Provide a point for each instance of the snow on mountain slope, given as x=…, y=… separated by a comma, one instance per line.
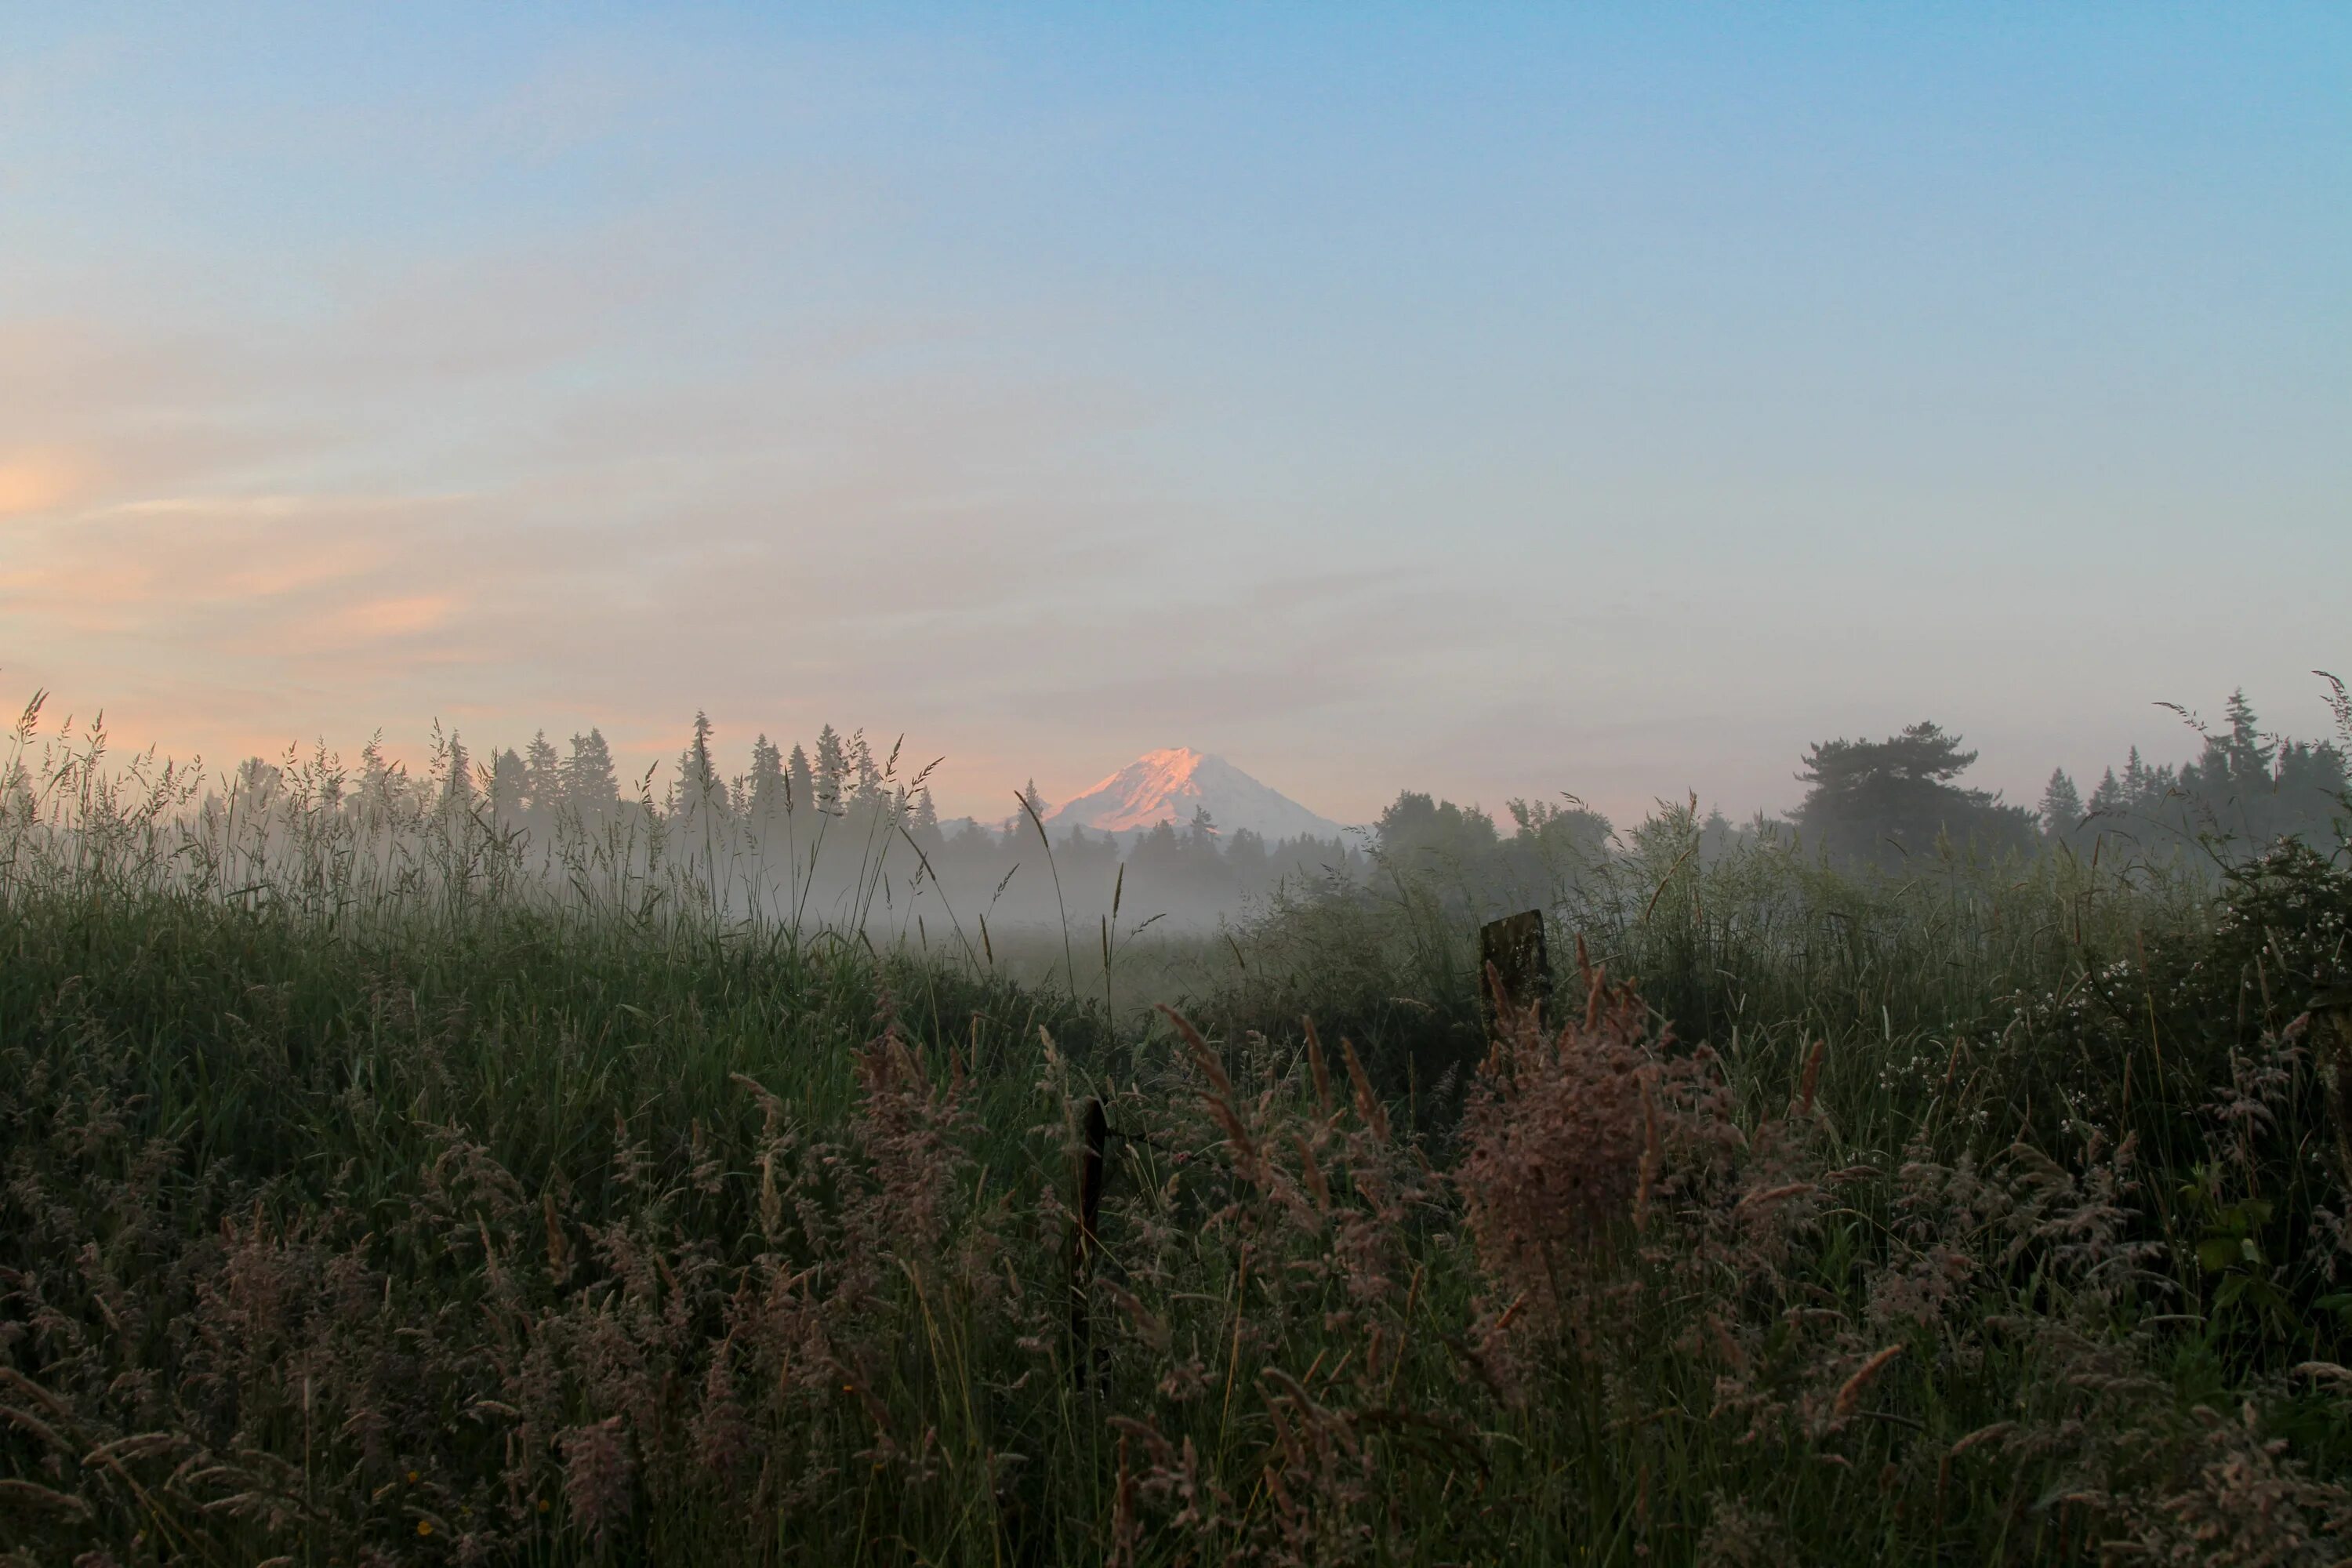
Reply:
x=1169, y=786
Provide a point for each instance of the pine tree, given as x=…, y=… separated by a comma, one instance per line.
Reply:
x=2136, y=780
x=2109, y=798
x=766, y=797
x=1877, y=798
x=459, y=787
x=1018, y=823
x=699, y=787
x=832, y=768
x=799, y=782
x=507, y=785
x=863, y=769
x=2061, y=805
x=589, y=786
x=542, y=778
x=2250, y=760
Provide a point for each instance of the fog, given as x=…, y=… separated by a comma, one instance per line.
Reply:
x=840, y=835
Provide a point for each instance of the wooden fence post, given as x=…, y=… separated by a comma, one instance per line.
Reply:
x=1514, y=969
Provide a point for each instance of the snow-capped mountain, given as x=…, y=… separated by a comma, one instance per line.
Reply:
x=1169, y=786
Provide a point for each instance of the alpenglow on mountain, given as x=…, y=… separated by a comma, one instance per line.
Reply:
x=1169, y=786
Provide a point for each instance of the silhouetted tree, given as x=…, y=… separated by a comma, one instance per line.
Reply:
x=2108, y=798
x=799, y=782
x=1245, y=854
x=458, y=787
x=590, y=787
x=1420, y=832
x=2062, y=807
x=766, y=800
x=542, y=779
x=1871, y=798
x=2250, y=789
x=700, y=790
x=256, y=784
x=1017, y=825
x=832, y=768
x=1572, y=830
x=923, y=824
x=865, y=775
x=507, y=785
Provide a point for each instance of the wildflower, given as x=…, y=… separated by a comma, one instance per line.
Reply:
x=424, y=1527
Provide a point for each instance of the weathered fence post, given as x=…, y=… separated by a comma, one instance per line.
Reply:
x=1514, y=969
x=1094, y=1131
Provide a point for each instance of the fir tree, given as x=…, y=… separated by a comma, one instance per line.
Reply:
x=2108, y=799
x=542, y=778
x=589, y=786
x=867, y=787
x=2248, y=755
x=2061, y=805
x=1018, y=823
x=831, y=767
x=699, y=788
x=459, y=786
x=766, y=797
x=799, y=782
x=507, y=785
x=2137, y=779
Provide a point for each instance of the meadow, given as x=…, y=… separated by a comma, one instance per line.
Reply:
x=370, y=1199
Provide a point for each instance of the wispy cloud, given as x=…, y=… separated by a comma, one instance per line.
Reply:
x=35, y=483
x=1055, y=403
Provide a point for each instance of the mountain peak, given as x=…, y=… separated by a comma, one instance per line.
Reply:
x=1171, y=784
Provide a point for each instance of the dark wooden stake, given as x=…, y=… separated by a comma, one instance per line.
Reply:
x=1514, y=969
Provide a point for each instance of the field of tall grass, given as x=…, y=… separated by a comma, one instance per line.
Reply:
x=368, y=1202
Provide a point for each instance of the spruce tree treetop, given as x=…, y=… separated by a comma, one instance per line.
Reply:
x=2062, y=805
x=542, y=776
x=767, y=786
x=1018, y=823
x=832, y=766
x=460, y=785
x=590, y=785
x=507, y=782
x=800, y=781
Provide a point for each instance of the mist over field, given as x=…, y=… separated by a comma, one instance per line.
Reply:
x=1328, y=785
x=848, y=836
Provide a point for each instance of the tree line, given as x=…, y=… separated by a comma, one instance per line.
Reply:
x=841, y=830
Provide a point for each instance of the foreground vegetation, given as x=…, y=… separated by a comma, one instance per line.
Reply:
x=1987, y=1211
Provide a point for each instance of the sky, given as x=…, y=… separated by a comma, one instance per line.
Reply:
x=1491, y=400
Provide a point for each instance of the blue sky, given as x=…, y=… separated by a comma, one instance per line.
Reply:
x=1492, y=400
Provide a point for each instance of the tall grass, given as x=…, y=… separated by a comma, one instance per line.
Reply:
x=367, y=1200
